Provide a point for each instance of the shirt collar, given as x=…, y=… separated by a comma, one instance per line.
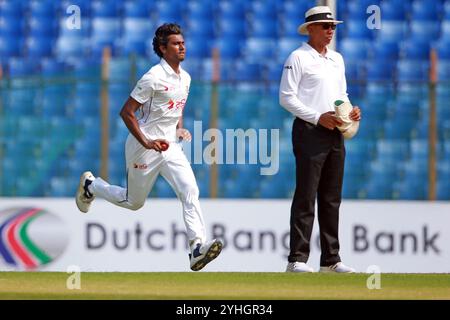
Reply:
x=316, y=54
x=168, y=68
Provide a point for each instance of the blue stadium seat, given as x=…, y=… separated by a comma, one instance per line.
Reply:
x=443, y=190
x=400, y=128
x=379, y=92
x=443, y=49
x=392, y=150
x=274, y=72
x=232, y=27
x=352, y=187
x=10, y=47
x=272, y=189
x=413, y=188
x=137, y=28
x=11, y=26
x=43, y=8
x=22, y=67
x=105, y=29
x=200, y=27
x=378, y=188
x=39, y=47
x=393, y=31
x=412, y=70
x=256, y=49
x=294, y=10
x=127, y=46
x=388, y=50
x=419, y=152
x=415, y=50
x=32, y=127
x=385, y=169
x=425, y=31
x=232, y=10
x=287, y=27
x=356, y=29
x=392, y=10
x=197, y=48
x=194, y=66
x=168, y=11
x=444, y=70
x=422, y=11
x=229, y=47
x=87, y=69
x=285, y=47
x=354, y=49
x=62, y=186
x=360, y=148
x=357, y=9
x=370, y=131
x=199, y=10
x=266, y=10
x=70, y=47
x=119, y=70
x=11, y=9
x=43, y=27
x=88, y=106
x=260, y=28
x=377, y=73
x=138, y=8
x=106, y=8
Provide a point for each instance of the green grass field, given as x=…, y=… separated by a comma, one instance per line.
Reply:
x=212, y=286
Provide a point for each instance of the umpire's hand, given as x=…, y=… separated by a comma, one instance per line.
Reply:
x=329, y=120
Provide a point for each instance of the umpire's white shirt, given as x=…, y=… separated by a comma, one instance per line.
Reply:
x=163, y=94
x=311, y=83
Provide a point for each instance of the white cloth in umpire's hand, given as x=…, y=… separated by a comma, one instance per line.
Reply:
x=349, y=127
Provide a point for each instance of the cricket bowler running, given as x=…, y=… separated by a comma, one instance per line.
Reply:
x=153, y=146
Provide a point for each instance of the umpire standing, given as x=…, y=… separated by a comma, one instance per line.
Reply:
x=313, y=78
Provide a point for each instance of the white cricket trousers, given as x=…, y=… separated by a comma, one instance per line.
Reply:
x=143, y=167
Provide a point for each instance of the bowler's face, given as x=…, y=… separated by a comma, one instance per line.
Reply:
x=175, y=49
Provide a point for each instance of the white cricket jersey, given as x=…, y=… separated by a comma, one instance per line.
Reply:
x=311, y=83
x=163, y=94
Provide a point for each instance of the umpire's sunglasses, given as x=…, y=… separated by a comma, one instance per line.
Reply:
x=326, y=26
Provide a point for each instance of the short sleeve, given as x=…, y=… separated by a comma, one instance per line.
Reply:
x=143, y=89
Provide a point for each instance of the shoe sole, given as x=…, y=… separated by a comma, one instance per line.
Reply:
x=292, y=271
x=210, y=255
x=80, y=191
x=332, y=271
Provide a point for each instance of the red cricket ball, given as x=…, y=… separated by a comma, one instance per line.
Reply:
x=164, y=146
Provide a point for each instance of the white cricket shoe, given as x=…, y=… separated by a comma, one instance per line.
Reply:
x=298, y=267
x=83, y=197
x=204, y=254
x=338, y=267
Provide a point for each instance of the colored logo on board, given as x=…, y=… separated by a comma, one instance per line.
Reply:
x=30, y=238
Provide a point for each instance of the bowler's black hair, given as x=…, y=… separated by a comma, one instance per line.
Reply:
x=162, y=34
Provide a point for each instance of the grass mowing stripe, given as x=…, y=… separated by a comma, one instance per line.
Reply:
x=222, y=285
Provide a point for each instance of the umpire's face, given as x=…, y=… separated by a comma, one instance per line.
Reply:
x=322, y=31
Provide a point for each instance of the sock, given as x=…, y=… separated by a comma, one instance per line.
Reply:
x=88, y=188
x=193, y=243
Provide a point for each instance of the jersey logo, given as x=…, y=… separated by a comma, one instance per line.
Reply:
x=177, y=105
x=288, y=67
x=140, y=166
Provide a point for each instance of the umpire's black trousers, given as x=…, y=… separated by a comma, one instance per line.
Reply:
x=319, y=156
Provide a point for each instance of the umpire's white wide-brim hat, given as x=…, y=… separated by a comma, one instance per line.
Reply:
x=317, y=14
